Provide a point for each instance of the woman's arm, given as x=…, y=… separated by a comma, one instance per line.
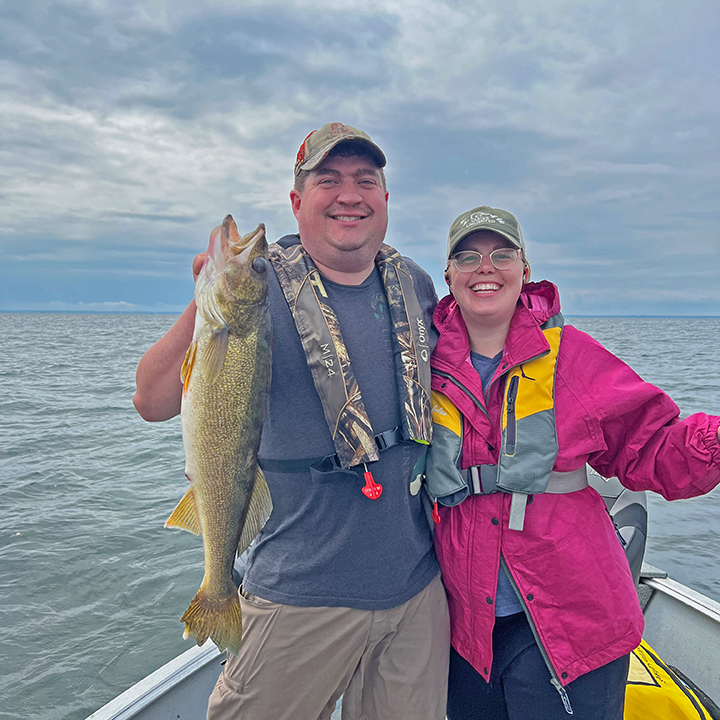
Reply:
x=646, y=445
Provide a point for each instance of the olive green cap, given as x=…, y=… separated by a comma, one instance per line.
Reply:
x=485, y=218
x=319, y=143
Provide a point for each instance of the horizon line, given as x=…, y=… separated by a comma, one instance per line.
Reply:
x=179, y=312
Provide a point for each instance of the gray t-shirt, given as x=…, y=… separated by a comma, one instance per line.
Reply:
x=325, y=543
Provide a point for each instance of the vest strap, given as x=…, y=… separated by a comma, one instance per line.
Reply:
x=383, y=440
x=517, y=511
x=559, y=484
x=482, y=480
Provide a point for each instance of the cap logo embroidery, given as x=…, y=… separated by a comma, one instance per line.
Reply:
x=339, y=129
x=478, y=218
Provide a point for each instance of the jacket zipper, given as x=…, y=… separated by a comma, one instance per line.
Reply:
x=458, y=384
x=554, y=679
x=512, y=395
x=462, y=387
x=511, y=425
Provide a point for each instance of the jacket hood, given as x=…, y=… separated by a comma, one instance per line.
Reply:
x=538, y=302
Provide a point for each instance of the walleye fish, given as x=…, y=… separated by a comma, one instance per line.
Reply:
x=226, y=376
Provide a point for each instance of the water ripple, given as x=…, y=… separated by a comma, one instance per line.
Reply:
x=92, y=586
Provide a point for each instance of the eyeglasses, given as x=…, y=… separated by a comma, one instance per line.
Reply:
x=469, y=260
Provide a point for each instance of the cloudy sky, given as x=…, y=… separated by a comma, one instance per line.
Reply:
x=129, y=129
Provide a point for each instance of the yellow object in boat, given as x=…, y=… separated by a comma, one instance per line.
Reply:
x=655, y=692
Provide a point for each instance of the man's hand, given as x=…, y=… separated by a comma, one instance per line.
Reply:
x=197, y=264
x=199, y=260
x=159, y=388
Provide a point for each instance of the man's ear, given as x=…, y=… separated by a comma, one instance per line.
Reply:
x=295, y=201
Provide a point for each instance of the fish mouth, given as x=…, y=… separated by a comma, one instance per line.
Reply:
x=237, y=243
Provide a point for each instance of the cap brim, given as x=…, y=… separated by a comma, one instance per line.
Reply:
x=480, y=228
x=318, y=157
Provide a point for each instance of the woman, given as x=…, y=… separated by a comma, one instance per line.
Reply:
x=543, y=606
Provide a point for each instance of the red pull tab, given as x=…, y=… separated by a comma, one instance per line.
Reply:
x=435, y=514
x=372, y=489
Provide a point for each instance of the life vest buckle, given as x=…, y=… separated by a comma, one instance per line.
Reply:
x=387, y=439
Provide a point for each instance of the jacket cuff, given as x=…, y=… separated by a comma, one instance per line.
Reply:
x=710, y=439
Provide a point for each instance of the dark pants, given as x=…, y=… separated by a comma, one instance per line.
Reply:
x=520, y=689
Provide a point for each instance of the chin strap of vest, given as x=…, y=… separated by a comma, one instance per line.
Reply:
x=328, y=359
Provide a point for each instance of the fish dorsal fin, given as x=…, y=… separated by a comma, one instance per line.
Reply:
x=185, y=515
x=258, y=512
x=213, y=354
x=187, y=366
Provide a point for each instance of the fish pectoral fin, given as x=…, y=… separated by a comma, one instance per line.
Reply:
x=213, y=354
x=187, y=366
x=258, y=512
x=185, y=515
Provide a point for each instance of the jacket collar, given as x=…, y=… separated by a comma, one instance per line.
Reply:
x=525, y=340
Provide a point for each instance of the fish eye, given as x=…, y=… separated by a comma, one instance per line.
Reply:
x=259, y=265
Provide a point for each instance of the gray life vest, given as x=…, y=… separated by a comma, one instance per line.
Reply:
x=529, y=444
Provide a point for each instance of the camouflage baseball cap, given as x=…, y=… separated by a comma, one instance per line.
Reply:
x=319, y=143
x=485, y=218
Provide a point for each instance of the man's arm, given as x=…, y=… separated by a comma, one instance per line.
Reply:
x=159, y=388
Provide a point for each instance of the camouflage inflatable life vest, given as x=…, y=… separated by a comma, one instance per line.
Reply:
x=328, y=359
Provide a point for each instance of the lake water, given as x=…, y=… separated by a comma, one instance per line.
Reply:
x=92, y=586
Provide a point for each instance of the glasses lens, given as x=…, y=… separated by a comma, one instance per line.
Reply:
x=504, y=258
x=467, y=260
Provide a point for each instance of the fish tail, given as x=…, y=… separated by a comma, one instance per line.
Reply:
x=220, y=620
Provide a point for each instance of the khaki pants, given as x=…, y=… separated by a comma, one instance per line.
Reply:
x=295, y=662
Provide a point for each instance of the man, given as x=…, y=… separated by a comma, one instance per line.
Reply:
x=341, y=594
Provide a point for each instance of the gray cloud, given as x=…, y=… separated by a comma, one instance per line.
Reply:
x=129, y=130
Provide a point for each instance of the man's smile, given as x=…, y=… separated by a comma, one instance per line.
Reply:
x=348, y=218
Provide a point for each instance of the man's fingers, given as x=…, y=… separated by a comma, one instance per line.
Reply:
x=197, y=263
x=199, y=260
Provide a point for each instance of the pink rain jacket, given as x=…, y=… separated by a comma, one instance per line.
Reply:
x=567, y=563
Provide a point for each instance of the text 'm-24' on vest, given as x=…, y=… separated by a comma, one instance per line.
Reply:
x=356, y=441
x=529, y=444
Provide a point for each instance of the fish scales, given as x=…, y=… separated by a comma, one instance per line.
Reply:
x=226, y=376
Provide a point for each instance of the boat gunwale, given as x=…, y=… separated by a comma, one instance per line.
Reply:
x=145, y=692
x=153, y=686
x=687, y=596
